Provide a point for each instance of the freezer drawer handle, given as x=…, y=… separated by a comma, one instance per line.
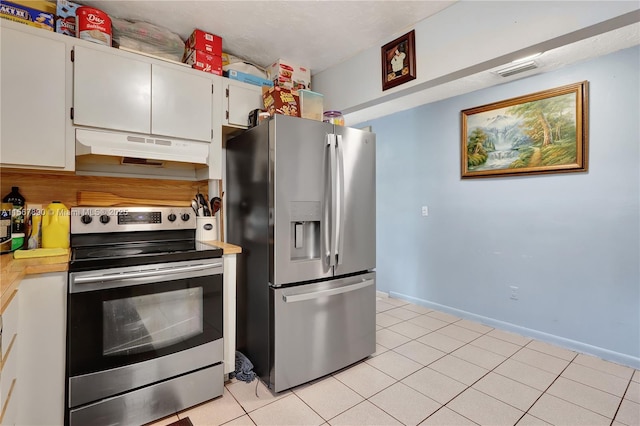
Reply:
x=323, y=293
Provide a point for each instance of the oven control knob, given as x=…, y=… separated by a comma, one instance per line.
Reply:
x=104, y=219
x=86, y=219
x=185, y=217
x=172, y=217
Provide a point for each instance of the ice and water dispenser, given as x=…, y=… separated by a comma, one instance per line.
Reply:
x=305, y=229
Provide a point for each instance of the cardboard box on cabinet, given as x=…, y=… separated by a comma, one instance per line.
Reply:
x=26, y=13
x=290, y=76
x=66, y=17
x=205, y=42
x=278, y=100
x=247, y=78
x=204, y=61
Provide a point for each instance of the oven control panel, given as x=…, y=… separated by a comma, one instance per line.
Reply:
x=88, y=220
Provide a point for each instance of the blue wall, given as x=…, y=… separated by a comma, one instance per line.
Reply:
x=569, y=242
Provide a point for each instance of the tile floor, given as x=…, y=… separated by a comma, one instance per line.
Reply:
x=432, y=368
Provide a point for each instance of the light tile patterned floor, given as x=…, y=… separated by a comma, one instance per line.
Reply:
x=432, y=368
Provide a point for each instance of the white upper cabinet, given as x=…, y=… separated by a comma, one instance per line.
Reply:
x=115, y=91
x=181, y=104
x=240, y=99
x=33, y=112
x=111, y=91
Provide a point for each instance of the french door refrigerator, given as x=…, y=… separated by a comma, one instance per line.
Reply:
x=301, y=203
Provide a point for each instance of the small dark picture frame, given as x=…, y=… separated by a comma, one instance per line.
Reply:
x=399, y=61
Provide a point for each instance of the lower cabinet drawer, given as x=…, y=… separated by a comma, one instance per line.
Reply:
x=9, y=365
x=9, y=321
x=9, y=405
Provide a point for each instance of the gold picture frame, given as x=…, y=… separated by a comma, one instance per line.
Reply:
x=539, y=133
x=399, y=61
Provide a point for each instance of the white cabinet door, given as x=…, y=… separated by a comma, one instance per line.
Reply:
x=41, y=365
x=111, y=91
x=32, y=73
x=240, y=99
x=181, y=104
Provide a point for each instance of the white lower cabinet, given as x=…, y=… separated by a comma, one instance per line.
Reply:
x=41, y=364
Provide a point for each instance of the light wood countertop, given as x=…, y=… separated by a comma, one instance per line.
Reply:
x=226, y=247
x=13, y=270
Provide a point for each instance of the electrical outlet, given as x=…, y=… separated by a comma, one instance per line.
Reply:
x=425, y=211
x=514, y=292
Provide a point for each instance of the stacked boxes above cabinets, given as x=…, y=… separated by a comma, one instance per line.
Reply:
x=203, y=51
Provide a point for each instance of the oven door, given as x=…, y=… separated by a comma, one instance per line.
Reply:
x=133, y=326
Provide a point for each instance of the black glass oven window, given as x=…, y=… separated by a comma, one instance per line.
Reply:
x=150, y=322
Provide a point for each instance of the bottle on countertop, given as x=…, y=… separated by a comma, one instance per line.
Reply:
x=55, y=226
x=5, y=226
x=17, y=213
x=34, y=240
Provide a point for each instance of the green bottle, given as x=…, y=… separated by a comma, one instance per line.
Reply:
x=17, y=214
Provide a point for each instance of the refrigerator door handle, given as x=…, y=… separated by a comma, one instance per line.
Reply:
x=329, y=203
x=334, y=201
x=324, y=293
x=340, y=199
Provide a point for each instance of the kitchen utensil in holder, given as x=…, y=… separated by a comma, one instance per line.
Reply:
x=206, y=228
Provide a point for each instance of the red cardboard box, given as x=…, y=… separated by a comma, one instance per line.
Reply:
x=204, y=61
x=204, y=41
x=281, y=101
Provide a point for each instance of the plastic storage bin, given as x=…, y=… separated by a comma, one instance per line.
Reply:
x=311, y=104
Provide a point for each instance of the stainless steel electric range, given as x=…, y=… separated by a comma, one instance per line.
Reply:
x=144, y=316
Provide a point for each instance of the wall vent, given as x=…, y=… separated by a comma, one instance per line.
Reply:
x=517, y=68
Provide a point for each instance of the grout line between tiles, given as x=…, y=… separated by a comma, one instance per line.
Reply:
x=621, y=399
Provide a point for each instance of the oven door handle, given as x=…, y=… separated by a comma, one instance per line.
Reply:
x=163, y=272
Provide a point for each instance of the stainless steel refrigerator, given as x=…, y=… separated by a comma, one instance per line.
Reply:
x=301, y=203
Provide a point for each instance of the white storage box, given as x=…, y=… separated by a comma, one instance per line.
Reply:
x=289, y=76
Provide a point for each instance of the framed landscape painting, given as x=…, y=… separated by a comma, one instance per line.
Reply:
x=544, y=132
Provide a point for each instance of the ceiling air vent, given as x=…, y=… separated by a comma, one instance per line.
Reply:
x=517, y=68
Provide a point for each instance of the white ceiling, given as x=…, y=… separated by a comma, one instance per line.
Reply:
x=315, y=34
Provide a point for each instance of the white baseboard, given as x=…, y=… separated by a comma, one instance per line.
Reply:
x=382, y=294
x=575, y=345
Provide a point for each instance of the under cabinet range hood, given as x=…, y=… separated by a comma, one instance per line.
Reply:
x=100, y=152
x=140, y=146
